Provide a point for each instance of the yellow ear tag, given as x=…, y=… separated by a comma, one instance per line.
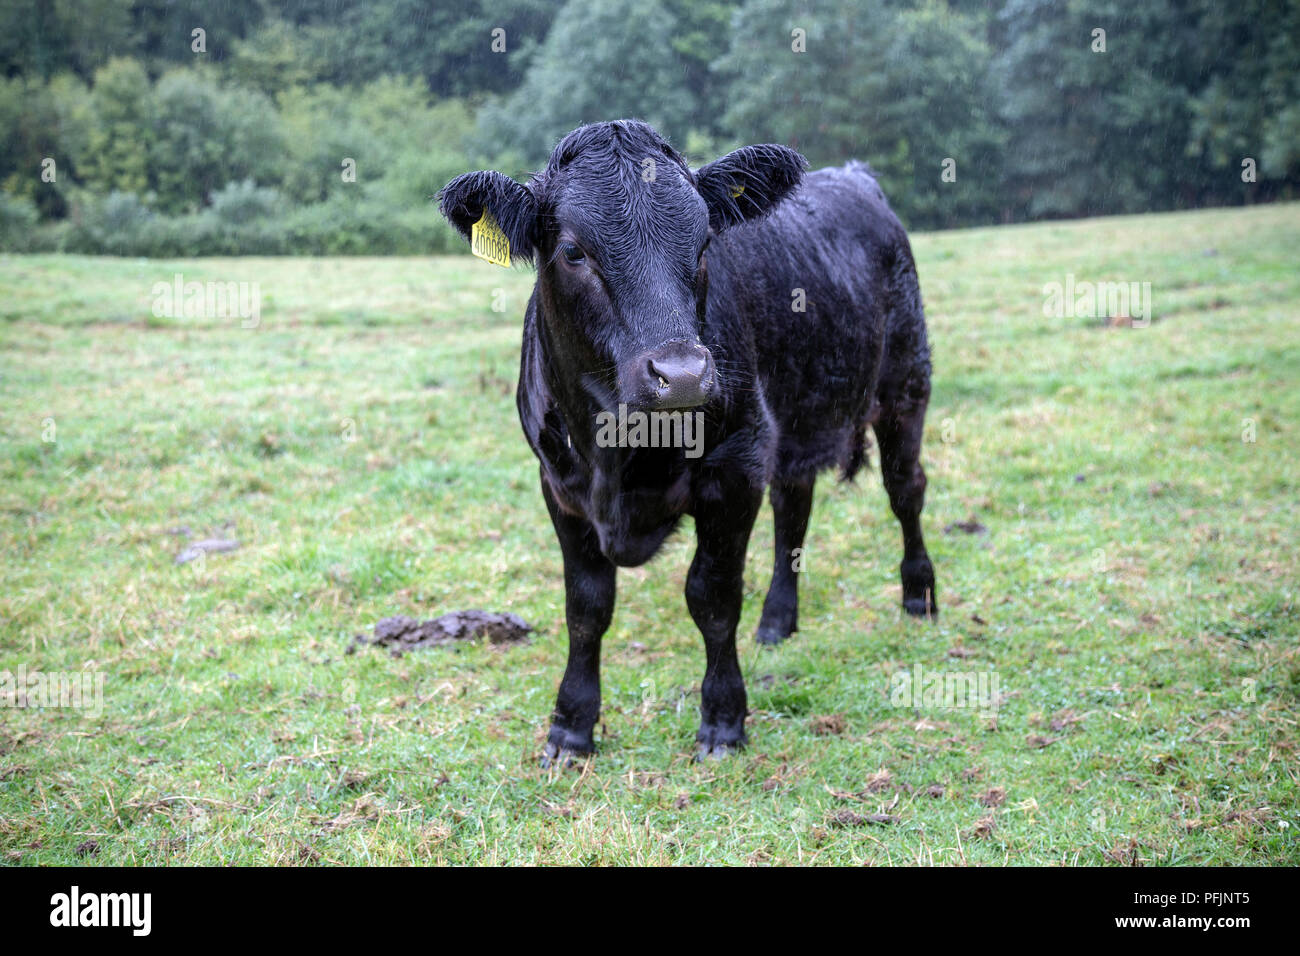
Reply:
x=488, y=242
x=736, y=191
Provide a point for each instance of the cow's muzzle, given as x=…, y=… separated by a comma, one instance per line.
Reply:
x=674, y=375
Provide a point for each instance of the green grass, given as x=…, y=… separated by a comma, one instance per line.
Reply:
x=1135, y=592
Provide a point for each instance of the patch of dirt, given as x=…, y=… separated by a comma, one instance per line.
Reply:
x=828, y=725
x=351, y=779
x=847, y=818
x=1126, y=854
x=970, y=526
x=1066, y=719
x=1253, y=817
x=994, y=797
x=431, y=835
x=197, y=549
x=365, y=809
x=878, y=781
x=401, y=633
x=780, y=776
x=881, y=781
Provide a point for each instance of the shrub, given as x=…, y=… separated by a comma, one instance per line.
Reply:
x=114, y=224
x=240, y=203
x=18, y=218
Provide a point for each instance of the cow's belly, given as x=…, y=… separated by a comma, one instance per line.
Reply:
x=821, y=387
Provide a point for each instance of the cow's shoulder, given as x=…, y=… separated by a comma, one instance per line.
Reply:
x=544, y=426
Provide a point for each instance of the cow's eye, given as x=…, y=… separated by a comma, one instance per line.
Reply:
x=572, y=254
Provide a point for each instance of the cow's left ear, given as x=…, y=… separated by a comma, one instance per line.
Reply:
x=511, y=204
x=746, y=184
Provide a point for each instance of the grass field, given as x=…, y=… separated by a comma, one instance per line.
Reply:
x=1133, y=589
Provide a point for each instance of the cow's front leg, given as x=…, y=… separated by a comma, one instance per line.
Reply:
x=588, y=607
x=724, y=516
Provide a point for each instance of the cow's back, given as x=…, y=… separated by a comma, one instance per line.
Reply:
x=826, y=287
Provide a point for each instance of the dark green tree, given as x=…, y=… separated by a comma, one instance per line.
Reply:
x=602, y=60
x=39, y=38
x=1248, y=103
x=448, y=44
x=1093, y=129
x=116, y=151
x=905, y=90
x=203, y=136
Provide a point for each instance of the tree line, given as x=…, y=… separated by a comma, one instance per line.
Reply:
x=173, y=127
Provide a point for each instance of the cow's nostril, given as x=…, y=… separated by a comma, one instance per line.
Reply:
x=678, y=375
x=669, y=373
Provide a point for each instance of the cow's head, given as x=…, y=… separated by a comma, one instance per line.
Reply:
x=618, y=225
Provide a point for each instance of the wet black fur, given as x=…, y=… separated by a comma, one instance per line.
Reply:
x=686, y=256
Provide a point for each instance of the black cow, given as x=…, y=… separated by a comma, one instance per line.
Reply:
x=785, y=308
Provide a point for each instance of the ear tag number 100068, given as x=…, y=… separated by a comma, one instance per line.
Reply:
x=489, y=242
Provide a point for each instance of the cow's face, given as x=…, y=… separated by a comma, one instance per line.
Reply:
x=618, y=226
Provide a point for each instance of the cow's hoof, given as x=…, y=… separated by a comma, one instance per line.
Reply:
x=563, y=746
x=715, y=742
x=559, y=758
x=768, y=634
x=918, y=587
x=921, y=606
x=778, y=621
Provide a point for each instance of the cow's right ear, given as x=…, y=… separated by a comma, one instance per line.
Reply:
x=512, y=205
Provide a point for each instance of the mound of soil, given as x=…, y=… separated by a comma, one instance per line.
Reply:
x=401, y=633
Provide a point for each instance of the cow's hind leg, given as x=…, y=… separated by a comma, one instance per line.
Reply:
x=898, y=432
x=791, y=505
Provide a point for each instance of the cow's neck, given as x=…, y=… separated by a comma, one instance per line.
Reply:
x=658, y=478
